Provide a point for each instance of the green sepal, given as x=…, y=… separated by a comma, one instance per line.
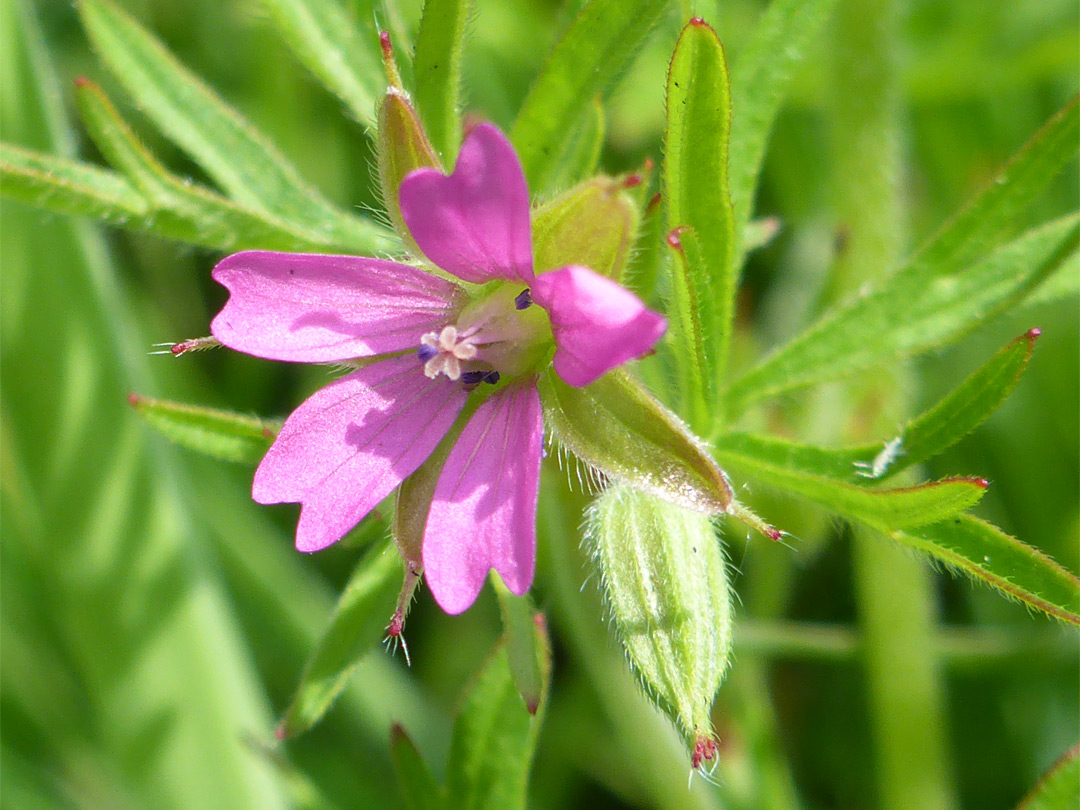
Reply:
x=402, y=147
x=221, y=434
x=618, y=428
x=528, y=648
x=666, y=587
x=594, y=224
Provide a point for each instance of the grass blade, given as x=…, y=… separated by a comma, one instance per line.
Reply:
x=339, y=53
x=437, y=72
x=759, y=81
x=696, y=190
x=418, y=786
x=912, y=311
x=231, y=151
x=984, y=552
x=221, y=434
x=596, y=47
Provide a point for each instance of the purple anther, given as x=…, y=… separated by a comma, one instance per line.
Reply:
x=491, y=377
x=426, y=352
x=524, y=299
x=473, y=377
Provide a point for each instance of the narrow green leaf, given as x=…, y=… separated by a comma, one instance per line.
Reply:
x=956, y=415
x=770, y=461
x=437, y=71
x=69, y=187
x=222, y=434
x=493, y=742
x=1059, y=787
x=759, y=233
x=696, y=191
x=984, y=552
x=960, y=412
x=527, y=645
x=648, y=256
x=912, y=311
x=231, y=151
x=692, y=353
x=328, y=41
x=593, y=224
x=354, y=629
x=418, y=786
x=616, y=426
x=1061, y=284
x=596, y=47
x=759, y=81
x=179, y=209
x=580, y=152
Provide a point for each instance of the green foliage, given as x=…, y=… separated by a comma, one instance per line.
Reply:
x=437, y=68
x=217, y=433
x=1059, y=788
x=363, y=610
x=696, y=191
x=584, y=62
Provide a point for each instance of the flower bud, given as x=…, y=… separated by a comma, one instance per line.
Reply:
x=666, y=587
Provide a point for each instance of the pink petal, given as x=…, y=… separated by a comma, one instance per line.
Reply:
x=475, y=222
x=351, y=443
x=483, y=514
x=598, y=324
x=310, y=308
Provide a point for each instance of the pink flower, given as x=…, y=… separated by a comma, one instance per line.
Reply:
x=438, y=344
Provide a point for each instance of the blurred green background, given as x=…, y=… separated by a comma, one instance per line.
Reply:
x=155, y=620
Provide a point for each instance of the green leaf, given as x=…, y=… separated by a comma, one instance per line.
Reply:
x=960, y=412
x=596, y=47
x=648, y=256
x=984, y=552
x=437, y=71
x=179, y=209
x=493, y=742
x=956, y=415
x=593, y=224
x=770, y=461
x=696, y=191
x=528, y=649
x=222, y=434
x=616, y=426
x=580, y=152
x=231, y=151
x=418, y=786
x=329, y=43
x=759, y=82
x=1059, y=787
x=912, y=311
x=354, y=629
x=70, y=187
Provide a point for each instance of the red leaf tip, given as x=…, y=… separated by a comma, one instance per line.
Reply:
x=631, y=180
x=673, y=238
x=1034, y=333
x=82, y=81
x=282, y=731
x=384, y=42
x=698, y=21
x=653, y=203
x=982, y=482
x=133, y=398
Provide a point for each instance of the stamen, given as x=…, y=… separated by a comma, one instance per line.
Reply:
x=524, y=299
x=426, y=352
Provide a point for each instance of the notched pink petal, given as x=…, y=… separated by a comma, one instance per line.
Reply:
x=597, y=323
x=310, y=308
x=483, y=515
x=351, y=443
x=473, y=223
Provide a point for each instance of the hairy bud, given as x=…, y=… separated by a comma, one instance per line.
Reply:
x=666, y=586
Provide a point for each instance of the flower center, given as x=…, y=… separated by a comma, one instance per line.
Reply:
x=498, y=334
x=443, y=352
